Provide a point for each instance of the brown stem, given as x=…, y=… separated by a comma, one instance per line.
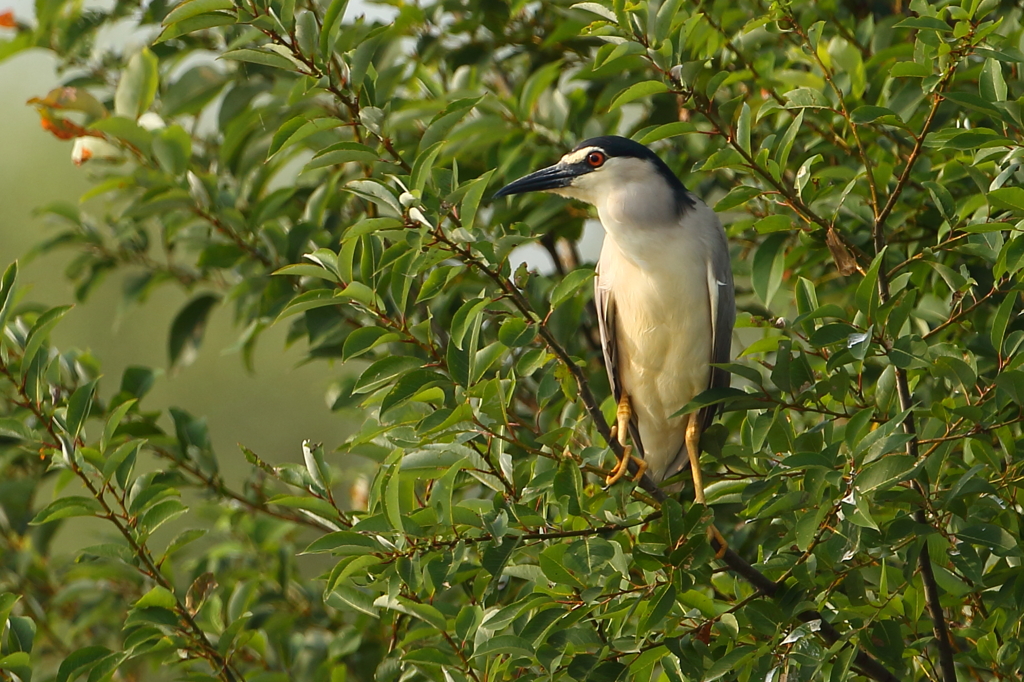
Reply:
x=932, y=595
x=738, y=564
x=199, y=639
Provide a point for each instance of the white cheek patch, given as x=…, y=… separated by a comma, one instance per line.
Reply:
x=578, y=155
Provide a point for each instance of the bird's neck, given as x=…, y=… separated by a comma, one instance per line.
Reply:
x=641, y=232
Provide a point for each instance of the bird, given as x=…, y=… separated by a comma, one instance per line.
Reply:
x=664, y=296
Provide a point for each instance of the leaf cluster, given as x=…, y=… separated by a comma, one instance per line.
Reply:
x=330, y=174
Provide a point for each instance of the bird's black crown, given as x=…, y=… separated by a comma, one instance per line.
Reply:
x=623, y=147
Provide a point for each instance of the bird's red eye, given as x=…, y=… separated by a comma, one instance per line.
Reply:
x=596, y=159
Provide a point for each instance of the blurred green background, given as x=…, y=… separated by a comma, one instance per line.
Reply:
x=270, y=411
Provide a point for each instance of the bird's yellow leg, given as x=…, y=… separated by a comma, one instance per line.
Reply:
x=620, y=431
x=693, y=451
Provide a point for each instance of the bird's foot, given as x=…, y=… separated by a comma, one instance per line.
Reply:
x=716, y=537
x=693, y=450
x=641, y=467
x=623, y=413
x=621, y=466
x=620, y=432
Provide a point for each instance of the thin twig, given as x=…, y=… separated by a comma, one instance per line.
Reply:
x=931, y=588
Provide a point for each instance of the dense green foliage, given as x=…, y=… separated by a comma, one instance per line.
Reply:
x=331, y=174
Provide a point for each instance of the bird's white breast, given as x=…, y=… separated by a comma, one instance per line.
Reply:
x=656, y=275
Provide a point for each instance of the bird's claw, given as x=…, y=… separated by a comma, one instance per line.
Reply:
x=623, y=413
x=622, y=466
x=715, y=536
x=620, y=432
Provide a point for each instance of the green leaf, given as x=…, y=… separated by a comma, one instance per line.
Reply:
x=737, y=196
x=1001, y=320
x=471, y=199
x=729, y=662
x=867, y=291
x=504, y=645
x=79, y=406
x=700, y=601
x=18, y=663
x=332, y=20
x=342, y=543
x=535, y=85
x=158, y=596
x=137, y=381
x=870, y=114
x=464, y=319
x=568, y=483
x=767, y=267
x=443, y=122
x=975, y=103
x=308, y=270
x=597, y=8
x=376, y=193
x=636, y=91
x=383, y=371
x=197, y=23
x=7, y=290
x=319, y=507
x=425, y=612
x=668, y=130
x=991, y=536
x=21, y=633
x=409, y=384
x=340, y=153
x=773, y=223
x=884, y=472
x=7, y=602
x=743, y=128
x=80, y=662
x=67, y=507
x=662, y=601
x=423, y=166
x=805, y=98
x=126, y=130
x=786, y=145
x=172, y=147
x=137, y=87
x=991, y=85
x=910, y=70
x=365, y=339
x=188, y=329
x=569, y=285
x=1011, y=198
x=262, y=57
x=925, y=23
x=183, y=539
x=126, y=452
x=943, y=199
x=192, y=8
x=297, y=129
x=40, y=331
x=516, y=332
x=713, y=396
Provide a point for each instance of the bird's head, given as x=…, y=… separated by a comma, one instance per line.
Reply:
x=602, y=168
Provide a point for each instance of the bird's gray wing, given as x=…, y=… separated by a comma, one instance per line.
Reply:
x=723, y=316
x=604, y=302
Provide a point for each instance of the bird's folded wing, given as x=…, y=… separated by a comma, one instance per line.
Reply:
x=723, y=316
x=604, y=302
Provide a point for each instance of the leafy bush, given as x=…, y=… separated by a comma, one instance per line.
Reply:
x=329, y=173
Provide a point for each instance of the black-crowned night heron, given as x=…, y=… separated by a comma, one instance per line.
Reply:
x=664, y=295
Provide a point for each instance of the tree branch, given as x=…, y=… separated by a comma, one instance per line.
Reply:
x=738, y=564
x=932, y=595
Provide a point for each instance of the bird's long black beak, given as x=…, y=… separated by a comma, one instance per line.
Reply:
x=552, y=177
